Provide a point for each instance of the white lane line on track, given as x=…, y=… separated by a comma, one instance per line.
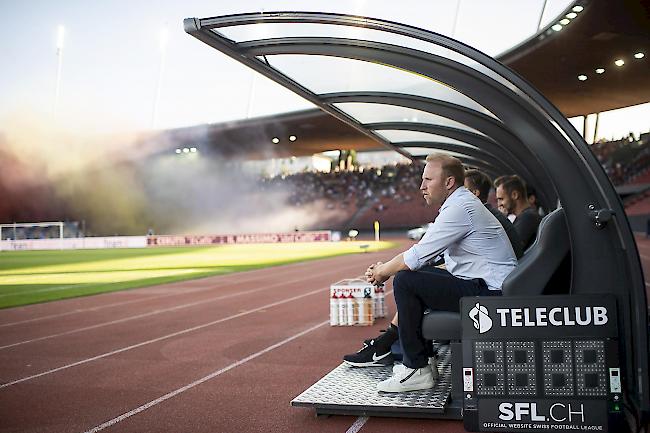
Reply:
x=202, y=380
x=165, y=310
x=362, y=420
x=164, y=337
x=354, y=428
x=290, y=267
x=358, y=424
x=85, y=310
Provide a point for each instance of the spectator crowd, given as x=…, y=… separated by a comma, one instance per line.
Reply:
x=363, y=194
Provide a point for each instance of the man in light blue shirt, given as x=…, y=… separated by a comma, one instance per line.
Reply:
x=478, y=257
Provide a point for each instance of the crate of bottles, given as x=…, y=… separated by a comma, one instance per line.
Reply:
x=354, y=301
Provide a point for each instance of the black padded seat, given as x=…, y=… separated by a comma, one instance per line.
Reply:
x=529, y=278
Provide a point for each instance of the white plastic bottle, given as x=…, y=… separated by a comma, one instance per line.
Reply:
x=380, y=302
x=349, y=304
x=342, y=307
x=361, y=306
x=334, y=309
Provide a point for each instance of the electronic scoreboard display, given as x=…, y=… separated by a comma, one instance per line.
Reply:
x=545, y=363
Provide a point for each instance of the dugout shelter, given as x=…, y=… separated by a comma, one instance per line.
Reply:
x=414, y=91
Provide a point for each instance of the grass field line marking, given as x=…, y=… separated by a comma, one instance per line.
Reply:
x=358, y=424
x=198, y=289
x=203, y=379
x=164, y=337
x=160, y=311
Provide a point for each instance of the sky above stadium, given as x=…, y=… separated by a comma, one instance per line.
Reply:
x=112, y=56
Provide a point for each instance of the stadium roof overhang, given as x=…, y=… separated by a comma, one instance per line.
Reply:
x=601, y=33
x=409, y=89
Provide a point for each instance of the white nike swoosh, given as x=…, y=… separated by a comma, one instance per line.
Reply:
x=377, y=358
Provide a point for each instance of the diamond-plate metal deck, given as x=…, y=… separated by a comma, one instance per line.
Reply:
x=353, y=391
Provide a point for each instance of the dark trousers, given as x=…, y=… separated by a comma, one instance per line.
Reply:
x=428, y=288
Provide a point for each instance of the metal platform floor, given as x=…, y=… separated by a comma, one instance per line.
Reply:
x=350, y=390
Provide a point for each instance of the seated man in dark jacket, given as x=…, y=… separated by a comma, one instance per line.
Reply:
x=511, y=194
x=479, y=184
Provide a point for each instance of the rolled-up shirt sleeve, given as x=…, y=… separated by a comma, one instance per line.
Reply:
x=452, y=224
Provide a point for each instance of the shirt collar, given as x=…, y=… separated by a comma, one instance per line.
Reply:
x=453, y=197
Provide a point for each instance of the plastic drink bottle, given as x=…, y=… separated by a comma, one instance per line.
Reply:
x=349, y=304
x=334, y=310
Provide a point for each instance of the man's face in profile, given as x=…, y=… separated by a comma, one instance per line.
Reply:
x=433, y=186
x=505, y=200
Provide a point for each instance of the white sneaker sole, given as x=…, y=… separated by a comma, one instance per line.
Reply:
x=393, y=385
x=366, y=364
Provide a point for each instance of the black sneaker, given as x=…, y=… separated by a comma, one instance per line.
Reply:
x=369, y=356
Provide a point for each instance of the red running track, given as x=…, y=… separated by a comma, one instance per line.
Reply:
x=220, y=354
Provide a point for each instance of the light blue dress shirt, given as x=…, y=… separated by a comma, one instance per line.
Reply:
x=474, y=243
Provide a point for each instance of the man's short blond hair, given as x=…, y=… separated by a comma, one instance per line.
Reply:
x=450, y=166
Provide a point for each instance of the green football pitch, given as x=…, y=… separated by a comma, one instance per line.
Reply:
x=28, y=277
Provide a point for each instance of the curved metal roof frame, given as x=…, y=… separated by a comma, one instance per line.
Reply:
x=454, y=133
x=453, y=74
x=487, y=125
x=468, y=161
x=489, y=160
x=604, y=256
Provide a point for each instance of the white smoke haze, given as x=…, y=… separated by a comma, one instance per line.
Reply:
x=128, y=183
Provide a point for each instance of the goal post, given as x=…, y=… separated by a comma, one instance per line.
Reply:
x=15, y=231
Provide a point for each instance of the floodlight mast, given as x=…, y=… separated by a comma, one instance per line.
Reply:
x=59, y=65
x=164, y=38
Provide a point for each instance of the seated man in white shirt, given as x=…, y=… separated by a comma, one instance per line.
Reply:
x=478, y=257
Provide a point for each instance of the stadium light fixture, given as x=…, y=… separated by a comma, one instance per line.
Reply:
x=577, y=8
x=557, y=27
x=164, y=38
x=178, y=151
x=619, y=62
x=193, y=149
x=275, y=140
x=60, y=37
x=565, y=21
x=600, y=70
x=571, y=15
x=639, y=55
x=292, y=138
x=186, y=150
x=582, y=77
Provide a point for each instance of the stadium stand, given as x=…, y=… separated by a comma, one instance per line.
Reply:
x=390, y=194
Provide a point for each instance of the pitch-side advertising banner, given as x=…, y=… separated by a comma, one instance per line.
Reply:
x=75, y=243
x=250, y=238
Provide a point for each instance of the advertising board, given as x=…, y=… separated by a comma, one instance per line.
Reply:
x=546, y=363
